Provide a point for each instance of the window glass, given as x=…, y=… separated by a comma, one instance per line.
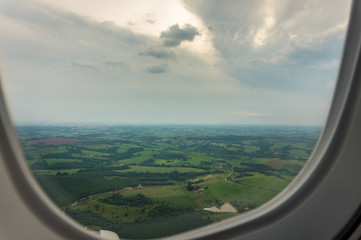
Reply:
x=168, y=115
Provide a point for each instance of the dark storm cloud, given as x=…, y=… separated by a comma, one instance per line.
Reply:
x=157, y=69
x=175, y=35
x=158, y=53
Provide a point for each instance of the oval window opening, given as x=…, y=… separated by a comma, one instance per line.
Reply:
x=167, y=116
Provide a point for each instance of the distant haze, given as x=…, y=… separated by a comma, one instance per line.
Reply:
x=171, y=62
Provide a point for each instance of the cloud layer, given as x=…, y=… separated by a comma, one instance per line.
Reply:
x=276, y=44
x=237, y=62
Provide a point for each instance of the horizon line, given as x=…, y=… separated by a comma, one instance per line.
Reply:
x=34, y=123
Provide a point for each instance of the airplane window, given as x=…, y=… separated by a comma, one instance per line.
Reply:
x=165, y=115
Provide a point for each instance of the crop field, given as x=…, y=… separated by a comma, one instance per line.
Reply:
x=123, y=178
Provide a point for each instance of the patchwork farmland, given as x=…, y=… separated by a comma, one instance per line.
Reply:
x=122, y=178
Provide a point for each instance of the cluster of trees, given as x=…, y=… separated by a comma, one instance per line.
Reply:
x=210, y=148
x=191, y=187
x=205, y=165
x=115, y=155
x=170, y=155
x=167, y=209
x=82, y=161
x=246, y=168
x=149, y=162
x=167, y=176
x=86, y=163
x=234, y=138
x=72, y=187
x=61, y=155
x=66, y=189
x=89, y=218
x=133, y=201
x=62, y=174
x=161, y=222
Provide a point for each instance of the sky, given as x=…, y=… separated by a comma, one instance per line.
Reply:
x=171, y=61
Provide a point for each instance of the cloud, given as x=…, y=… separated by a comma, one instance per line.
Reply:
x=157, y=69
x=270, y=59
x=114, y=63
x=158, y=53
x=276, y=45
x=83, y=65
x=130, y=23
x=150, y=18
x=49, y=38
x=174, y=36
x=66, y=28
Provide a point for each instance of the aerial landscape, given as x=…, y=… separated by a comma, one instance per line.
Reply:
x=164, y=179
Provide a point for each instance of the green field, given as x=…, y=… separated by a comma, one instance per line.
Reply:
x=160, y=178
x=160, y=169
